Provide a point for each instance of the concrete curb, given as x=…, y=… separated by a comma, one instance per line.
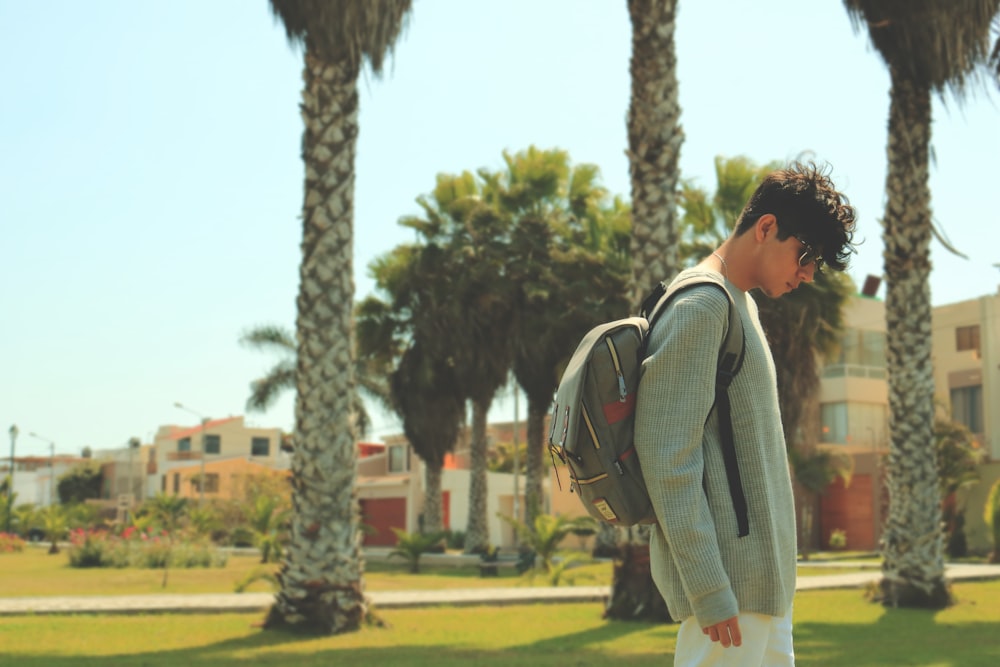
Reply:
x=244, y=602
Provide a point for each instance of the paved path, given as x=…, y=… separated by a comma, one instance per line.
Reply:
x=239, y=602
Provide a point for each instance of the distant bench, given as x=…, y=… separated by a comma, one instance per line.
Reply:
x=491, y=562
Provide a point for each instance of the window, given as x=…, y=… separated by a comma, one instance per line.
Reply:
x=184, y=445
x=967, y=407
x=853, y=423
x=399, y=460
x=177, y=482
x=260, y=447
x=213, y=444
x=211, y=482
x=862, y=354
x=967, y=338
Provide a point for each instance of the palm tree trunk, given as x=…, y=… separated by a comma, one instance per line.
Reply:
x=535, y=462
x=433, y=515
x=913, y=542
x=654, y=146
x=477, y=534
x=321, y=578
x=654, y=140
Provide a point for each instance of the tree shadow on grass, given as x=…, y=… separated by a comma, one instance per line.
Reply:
x=911, y=637
x=282, y=647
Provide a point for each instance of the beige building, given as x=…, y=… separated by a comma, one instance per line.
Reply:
x=391, y=488
x=854, y=409
x=224, y=478
x=177, y=447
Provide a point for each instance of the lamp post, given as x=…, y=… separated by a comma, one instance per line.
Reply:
x=10, y=489
x=52, y=466
x=204, y=423
x=133, y=444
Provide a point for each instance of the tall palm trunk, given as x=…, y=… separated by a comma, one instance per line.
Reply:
x=477, y=534
x=913, y=541
x=433, y=514
x=534, y=464
x=654, y=144
x=321, y=579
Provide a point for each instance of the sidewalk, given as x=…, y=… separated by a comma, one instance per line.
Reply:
x=242, y=602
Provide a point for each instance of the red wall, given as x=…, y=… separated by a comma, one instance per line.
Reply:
x=383, y=514
x=849, y=508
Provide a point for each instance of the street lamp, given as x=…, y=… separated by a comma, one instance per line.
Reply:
x=52, y=466
x=204, y=422
x=133, y=444
x=10, y=489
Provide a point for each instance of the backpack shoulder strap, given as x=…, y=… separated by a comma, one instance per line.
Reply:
x=734, y=342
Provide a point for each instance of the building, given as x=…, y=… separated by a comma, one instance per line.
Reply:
x=391, y=489
x=181, y=448
x=36, y=478
x=225, y=478
x=854, y=409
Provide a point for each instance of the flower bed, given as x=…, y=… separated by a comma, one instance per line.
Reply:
x=142, y=549
x=10, y=543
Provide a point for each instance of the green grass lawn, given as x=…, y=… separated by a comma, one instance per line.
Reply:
x=34, y=573
x=832, y=629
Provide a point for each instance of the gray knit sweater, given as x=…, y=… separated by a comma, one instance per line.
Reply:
x=698, y=563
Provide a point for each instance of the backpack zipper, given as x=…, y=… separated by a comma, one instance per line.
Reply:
x=622, y=393
x=590, y=427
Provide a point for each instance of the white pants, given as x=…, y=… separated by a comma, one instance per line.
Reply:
x=767, y=642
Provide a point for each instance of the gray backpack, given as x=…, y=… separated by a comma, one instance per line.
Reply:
x=593, y=417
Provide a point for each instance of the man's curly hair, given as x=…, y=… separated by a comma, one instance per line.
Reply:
x=807, y=205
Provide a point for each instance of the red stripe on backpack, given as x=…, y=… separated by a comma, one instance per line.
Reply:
x=617, y=411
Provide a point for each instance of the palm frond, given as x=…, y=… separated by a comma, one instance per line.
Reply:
x=349, y=31
x=268, y=336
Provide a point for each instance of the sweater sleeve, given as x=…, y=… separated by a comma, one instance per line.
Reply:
x=676, y=394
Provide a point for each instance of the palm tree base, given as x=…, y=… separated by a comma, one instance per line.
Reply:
x=634, y=597
x=321, y=614
x=901, y=594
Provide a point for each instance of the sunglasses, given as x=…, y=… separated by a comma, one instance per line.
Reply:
x=809, y=255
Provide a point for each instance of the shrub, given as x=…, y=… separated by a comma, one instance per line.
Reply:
x=838, y=539
x=89, y=549
x=10, y=543
x=991, y=514
x=412, y=546
x=455, y=539
x=140, y=549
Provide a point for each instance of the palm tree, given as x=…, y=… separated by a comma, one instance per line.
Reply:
x=569, y=265
x=483, y=352
x=425, y=394
x=166, y=512
x=321, y=579
x=928, y=46
x=654, y=143
x=56, y=524
x=265, y=390
x=396, y=338
x=269, y=520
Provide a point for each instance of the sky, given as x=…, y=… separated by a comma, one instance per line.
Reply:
x=151, y=179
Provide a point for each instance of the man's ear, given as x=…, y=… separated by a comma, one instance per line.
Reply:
x=766, y=225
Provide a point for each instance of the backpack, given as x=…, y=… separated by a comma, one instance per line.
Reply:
x=593, y=417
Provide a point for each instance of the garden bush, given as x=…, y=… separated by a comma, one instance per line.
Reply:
x=140, y=549
x=10, y=543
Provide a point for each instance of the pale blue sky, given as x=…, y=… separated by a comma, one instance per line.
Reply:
x=150, y=178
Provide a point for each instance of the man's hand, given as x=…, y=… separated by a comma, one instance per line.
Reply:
x=727, y=632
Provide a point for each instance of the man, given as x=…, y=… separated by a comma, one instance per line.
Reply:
x=733, y=595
